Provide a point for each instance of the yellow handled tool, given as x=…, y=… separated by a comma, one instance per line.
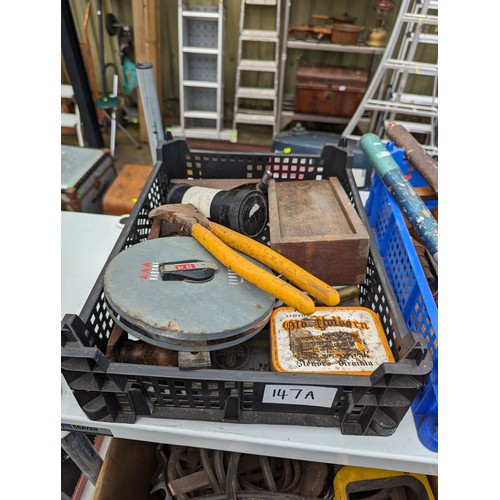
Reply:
x=189, y=221
x=252, y=273
x=297, y=275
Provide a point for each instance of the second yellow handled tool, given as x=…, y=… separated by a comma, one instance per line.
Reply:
x=252, y=273
x=296, y=274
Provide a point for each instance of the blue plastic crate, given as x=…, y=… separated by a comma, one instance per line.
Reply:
x=410, y=286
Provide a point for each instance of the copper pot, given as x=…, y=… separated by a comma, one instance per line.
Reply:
x=383, y=5
x=300, y=32
x=321, y=32
x=344, y=18
x=339, y=18
x=346, y=34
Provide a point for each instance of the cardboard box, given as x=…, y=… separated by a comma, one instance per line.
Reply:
x=126, y=471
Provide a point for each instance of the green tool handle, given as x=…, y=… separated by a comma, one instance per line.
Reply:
x=403, y=192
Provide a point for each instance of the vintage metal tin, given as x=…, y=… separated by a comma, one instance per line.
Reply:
x=332, y=340
x=182, y=315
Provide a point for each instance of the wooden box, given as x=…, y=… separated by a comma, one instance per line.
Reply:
x=121, y=196
x=329, y=90
x=314, y=224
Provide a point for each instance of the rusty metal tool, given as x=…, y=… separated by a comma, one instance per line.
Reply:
x=222, y=243
x=415, y=153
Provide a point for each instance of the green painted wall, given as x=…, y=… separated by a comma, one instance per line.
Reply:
x=301, y=13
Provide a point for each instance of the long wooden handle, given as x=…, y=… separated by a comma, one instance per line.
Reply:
x=297, y=275
x=252, y=273
x=416, y=154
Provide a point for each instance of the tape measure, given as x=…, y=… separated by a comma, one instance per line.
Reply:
x=172, y=293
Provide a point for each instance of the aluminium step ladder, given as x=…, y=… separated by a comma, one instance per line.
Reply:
x=385, y=96
x=201, y=86
x=256, y=89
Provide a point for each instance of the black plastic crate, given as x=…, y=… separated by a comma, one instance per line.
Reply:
x=119, y=392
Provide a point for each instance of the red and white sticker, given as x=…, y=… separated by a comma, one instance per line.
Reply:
x=149, y=271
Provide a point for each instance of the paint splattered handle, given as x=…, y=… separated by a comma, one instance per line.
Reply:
x=403, y=192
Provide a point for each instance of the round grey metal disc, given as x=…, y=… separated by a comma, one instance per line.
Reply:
x=177, y=314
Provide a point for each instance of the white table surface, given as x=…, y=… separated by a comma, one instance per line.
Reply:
x=87, y=240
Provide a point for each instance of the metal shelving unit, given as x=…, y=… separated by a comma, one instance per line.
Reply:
x=334, y=47
x=285, y=112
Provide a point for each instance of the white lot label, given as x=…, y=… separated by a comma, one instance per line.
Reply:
x=299, y=395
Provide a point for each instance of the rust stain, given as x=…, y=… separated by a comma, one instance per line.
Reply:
x=171, y=326
x=343, y=345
